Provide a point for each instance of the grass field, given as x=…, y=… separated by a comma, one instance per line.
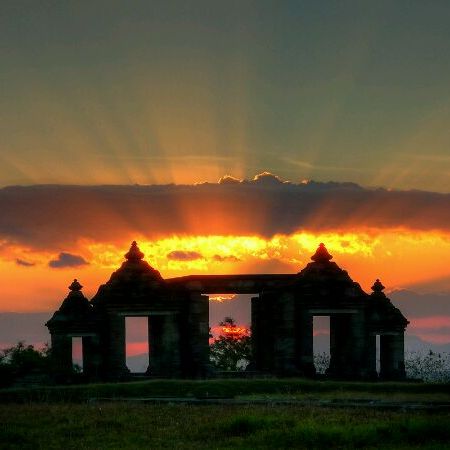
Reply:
x=131, y=426
x=69, y=417
x=230, y=388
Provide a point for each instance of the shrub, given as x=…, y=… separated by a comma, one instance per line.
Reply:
x=429, y=367
x=21, y=360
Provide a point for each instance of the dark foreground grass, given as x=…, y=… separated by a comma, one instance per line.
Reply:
x=137, y=426
x=227, y=388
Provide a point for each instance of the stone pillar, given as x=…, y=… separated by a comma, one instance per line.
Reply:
x=339, y=346
x=336, y=338
x=262, y=334
x=164, y=345
x=371, y=356
x=116, y=367
x=348, y=346
x=392, y=357
x=171, y=341
x=196, y=345
x=285, y=363
x=155, y=347
x=61, y=355
x=304, y=344
x=358, y=347
x=91, y=357
x=257, y=355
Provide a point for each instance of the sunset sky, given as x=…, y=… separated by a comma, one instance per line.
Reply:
x=237, y=135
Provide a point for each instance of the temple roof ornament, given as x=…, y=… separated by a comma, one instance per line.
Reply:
x=75, y=286
x=134, y=254
x=75, y=308
x=135, y=279
x=377, y=287
x=321, y=254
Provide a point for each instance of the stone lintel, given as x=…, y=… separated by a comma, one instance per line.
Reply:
x=316, y=312
x=229, y=284
x=386, y=333
x=72, y=335
x=145, y=313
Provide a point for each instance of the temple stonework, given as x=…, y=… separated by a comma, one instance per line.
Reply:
x=282, y=322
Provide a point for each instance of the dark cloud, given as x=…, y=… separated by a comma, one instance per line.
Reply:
x=179, y=255
x=51, y=216
x=22, y=262
x=227, y=258
x=268, y=178
x=228, y=179
x=67, y=260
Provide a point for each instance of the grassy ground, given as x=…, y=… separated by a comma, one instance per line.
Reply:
x=238, y=388
x=68, y=417
x=133, y=426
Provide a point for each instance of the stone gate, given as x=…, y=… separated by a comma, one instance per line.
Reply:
x=282, y=322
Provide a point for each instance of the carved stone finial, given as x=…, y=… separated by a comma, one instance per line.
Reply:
x=321, y=254
x=377, y=287
x=134, y=254
x=75, y=286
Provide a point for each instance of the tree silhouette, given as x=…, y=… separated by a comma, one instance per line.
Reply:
x=231, y=350
x=21, y=360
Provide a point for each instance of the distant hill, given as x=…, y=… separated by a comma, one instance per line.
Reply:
x=412, y=344
x=413, y=304
x=28, y=327
x=139, y=363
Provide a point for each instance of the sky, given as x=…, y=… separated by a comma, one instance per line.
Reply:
x=226, y=137
x=159, y=92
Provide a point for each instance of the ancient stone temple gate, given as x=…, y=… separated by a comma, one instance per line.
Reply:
x=282, y=322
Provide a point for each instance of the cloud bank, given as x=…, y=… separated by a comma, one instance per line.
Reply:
x=67, y=260
x=180, y=255
x=55, y=216
x=23, y=263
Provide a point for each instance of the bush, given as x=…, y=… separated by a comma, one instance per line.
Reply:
x=321, y=362
x=429, y=367
x=21, y=360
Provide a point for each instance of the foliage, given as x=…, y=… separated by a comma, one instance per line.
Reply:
x=230, y=352
x=429, y=367
x=21, y=360
x=321, y=362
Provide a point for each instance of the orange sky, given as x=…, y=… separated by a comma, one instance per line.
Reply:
x=419, y=261
x=400, y=258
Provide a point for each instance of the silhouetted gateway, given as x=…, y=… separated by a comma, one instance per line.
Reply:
x=282, y=322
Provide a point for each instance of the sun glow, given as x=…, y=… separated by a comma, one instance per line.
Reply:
x=416, y=257
x=229, y=331
x=220, y=298
x=205, y=251
x=401, y=258
x=234, y=331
